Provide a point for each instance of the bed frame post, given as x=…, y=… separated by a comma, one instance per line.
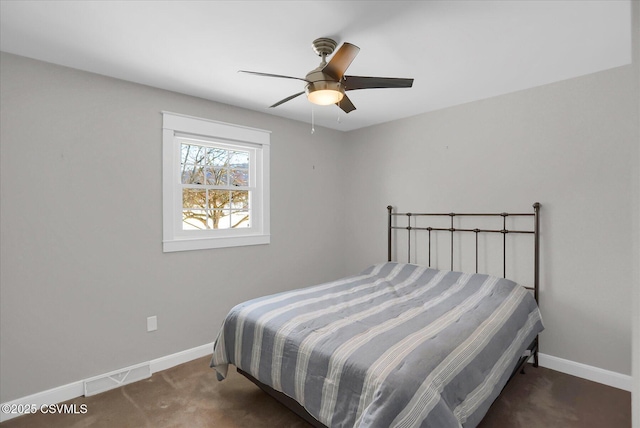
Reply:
x=389, y=209
x=536, y=239
x=536, y=274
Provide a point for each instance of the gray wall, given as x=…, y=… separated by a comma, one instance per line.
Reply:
x=81, y=226
x=572, y=146
x=81, y=259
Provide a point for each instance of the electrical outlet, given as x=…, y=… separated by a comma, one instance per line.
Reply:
x=152, y=323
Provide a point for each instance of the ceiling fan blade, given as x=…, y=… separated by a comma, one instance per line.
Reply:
x=345, y=104
x=272, y=75
x=287, y=99
x=341, y=60
x=351, y=83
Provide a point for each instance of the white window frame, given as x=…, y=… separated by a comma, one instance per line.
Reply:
x=177, y=128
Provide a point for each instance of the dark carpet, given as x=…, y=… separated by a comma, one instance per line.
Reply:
x=190, y=396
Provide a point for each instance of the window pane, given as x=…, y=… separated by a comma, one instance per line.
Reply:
x=240, y=200
x=239, y=159
x=219, y=199
x=239, y=219
x=192, y=174
x=217, y=157
x=193, y=154
x=217, y=176
x=186, y=176
x=240, y=209
x=220, y=219
x=194, y=198
x=194, y=219
x=240, y=177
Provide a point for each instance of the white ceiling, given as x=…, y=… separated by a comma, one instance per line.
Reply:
x=457, y=51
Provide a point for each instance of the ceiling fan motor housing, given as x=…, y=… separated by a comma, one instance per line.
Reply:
x=323, y=89
x=324, y=46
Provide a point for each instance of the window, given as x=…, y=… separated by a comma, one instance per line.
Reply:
x=215, y=184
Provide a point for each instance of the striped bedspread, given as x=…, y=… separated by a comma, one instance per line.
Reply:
x=398, y=345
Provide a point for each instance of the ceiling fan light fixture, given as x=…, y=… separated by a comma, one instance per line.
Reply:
x=327, y=84
x=325, y=97
x=324, y=93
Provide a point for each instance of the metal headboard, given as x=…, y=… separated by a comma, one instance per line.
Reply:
x=504, y=231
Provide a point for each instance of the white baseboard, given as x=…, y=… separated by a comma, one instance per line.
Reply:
x=182, y=357
x=76, y=389
x=584, y=371
x=50, y=396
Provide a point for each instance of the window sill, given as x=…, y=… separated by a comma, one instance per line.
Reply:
x=207, y=243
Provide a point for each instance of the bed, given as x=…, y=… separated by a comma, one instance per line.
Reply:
x=399, y=344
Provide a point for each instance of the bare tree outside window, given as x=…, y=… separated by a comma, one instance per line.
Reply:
x=215, y=183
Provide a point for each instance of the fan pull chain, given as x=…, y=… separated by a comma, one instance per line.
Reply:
x=313, y=128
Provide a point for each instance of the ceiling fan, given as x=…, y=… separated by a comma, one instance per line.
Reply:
x=327, y=83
